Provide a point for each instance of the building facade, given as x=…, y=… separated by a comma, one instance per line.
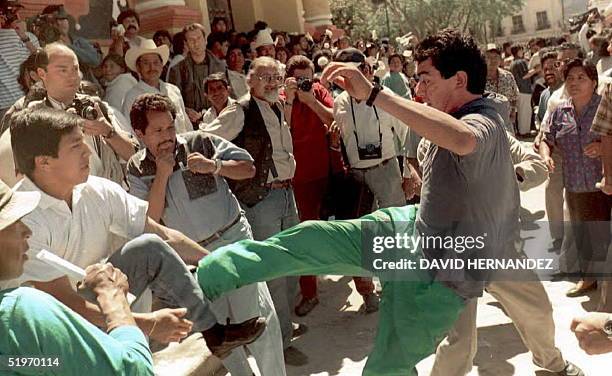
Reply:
x=538, y=18
x=93, y=16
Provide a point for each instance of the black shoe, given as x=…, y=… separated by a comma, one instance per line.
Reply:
x=222, y=339
x=298, y=330
x=571, y=370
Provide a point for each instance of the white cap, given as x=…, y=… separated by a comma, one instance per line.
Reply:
x=263, y=38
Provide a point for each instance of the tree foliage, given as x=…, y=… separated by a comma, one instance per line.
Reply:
x=421, y=17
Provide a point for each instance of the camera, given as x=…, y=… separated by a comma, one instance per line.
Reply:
x=85, y=108
x=578, y=20
x=43, y=26
x=370, y=151
x=9, y=10
x=304, y=84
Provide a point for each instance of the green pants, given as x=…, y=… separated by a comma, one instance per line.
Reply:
x=414, y=315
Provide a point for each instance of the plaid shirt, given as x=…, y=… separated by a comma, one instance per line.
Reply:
x=602, y=124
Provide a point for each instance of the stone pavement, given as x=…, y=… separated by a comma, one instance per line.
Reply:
x=340, y=337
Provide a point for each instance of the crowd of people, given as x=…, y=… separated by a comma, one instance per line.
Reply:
x=221, y=173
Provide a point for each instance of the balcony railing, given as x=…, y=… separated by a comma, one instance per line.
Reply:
x=543, y=26
x=518, y=29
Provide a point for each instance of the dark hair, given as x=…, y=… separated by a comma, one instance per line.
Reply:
x=298, y=62
x=37, y=132
x=451, y=52
x=128, y=13
x=216, y=37
x=601, y=45
x=178, y=43
x=194, y=26
x=547, y=56
x=232, y=48
x=117, y=59
x=514, y=50
x=398, y=56
x=589, y=69
x=540, y=42
x=162, y=33
x=215, y=77
x=27, y=66
x=217, y=19
x=145, y=103
x=571, y=46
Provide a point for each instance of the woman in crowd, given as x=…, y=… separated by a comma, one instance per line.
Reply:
x=282, y=54
x=569, y=130
x=117, y=80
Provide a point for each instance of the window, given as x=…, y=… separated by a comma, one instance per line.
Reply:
x=542, y=21
x=517, y=25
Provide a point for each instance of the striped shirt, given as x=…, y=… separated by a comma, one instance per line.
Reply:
x=12, y=53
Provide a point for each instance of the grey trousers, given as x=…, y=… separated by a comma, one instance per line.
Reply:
x=148, y=261
x=553, y=196
x=385, y=182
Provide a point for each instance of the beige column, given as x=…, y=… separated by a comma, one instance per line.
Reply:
x=144, y=5
x=202, y=7
x=317, y=13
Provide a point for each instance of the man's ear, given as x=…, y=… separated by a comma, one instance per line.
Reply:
x=462, y=79
x=41, y=162
x=41, y=73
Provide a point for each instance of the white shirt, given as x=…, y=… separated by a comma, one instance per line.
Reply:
x=230, y=122
x=182, y=122
x=238, y=83
x=117, y=88
x=367, y=130
x=555, y=100
x=81, y=235
x=211, y=114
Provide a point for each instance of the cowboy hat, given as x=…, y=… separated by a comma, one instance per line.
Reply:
x=147, y=46
x=15, y=205
x=263, y=38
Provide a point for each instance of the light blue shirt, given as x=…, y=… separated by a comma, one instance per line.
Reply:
x=198, y=205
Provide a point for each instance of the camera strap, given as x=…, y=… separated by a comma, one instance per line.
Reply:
x=355, y=124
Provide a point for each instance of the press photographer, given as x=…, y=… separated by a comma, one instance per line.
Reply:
x=58, y=68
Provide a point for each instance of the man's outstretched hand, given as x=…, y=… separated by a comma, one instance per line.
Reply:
x=349, y=78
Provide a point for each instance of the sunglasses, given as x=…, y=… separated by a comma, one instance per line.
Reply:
x=270, y=78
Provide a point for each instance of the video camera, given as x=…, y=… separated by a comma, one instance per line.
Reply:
x=43, y=26
x=578, y=20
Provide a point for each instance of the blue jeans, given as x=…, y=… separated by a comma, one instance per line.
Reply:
x=148, y=261
x=244, y=303
x=277, y=212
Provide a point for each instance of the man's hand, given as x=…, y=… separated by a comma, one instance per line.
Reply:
x=537, y=141
x=165, y=163
x=589, y=332
x=349, y=78
x=307, y=97
x=20, y=27
x=593, y=150
x=169, y=325
x=412, y=186
x=335, y=135
x=194, y=115
x=605, y=186
x=550, y=164
x=198, y=163
x=290, y=89
x=98, y=127
x=104, y=278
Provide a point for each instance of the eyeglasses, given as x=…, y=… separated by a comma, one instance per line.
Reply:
x=560, y=63
x=270, y=78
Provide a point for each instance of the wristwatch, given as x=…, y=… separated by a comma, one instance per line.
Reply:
x=607, y=328
x=218, y=166
x=377, y=88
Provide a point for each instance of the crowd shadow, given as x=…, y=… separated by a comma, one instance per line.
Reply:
x=498, y=344
x=353, y=331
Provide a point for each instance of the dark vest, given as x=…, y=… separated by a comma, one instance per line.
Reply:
x=255, y=138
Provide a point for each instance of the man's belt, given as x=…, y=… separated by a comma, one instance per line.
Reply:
x=381, y=164
x=279, y=184
x=217, y=235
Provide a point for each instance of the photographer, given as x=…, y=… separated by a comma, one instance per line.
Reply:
x=16, y=44
x=58, y=68
x=309, y=110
